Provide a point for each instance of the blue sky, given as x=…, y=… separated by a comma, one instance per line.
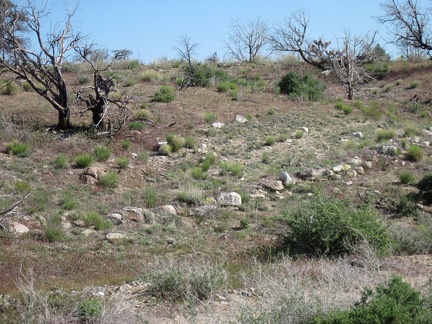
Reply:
x=152, y=28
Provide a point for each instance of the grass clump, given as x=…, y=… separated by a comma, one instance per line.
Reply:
x=9, y=89
x=303, y=86
x=60, y=162
x=175, y=141
x=94, y=219
x=137, y=125
x=210, y=117
x=83, y=160
x=207, y=161
x=270, y=140
x=150, y=75
x=198, y=173
x=54, y=231
x=126, y=144
x=164, y=94
x=17, y=148
x=327, y=226
x=415, y=153
x=101, y=153
x=90, y=310
x=374, y=111
x=413, y=84
x=383, y=135
x=109, y=180
x=346, y=109
x=407, y=177
x=122, y=162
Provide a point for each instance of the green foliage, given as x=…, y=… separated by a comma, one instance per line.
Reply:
x=17, y=148
x=143, y=114
x=137, y=125
x=190, y=142
x=165, y=149
x=210, y=117
x=90, y=310
x=9, y=89
x=198, y=173
x=415, y=153
x=270, y=140
x=407, y=177
x=208, y=160
x=395, y=302
x=122, y=162
x=27, y=87
x=425, y=188
x=327, y=226
x=109, y=180
x=92, y=218
x=414, y=84
x=373, y=111
x=150, y=196
x=201, y=75
x=101, y=153
x=83, y=79
x=236, y=168
x=298, y=134
x=54, y=231
x=164, y=94
x=126, y=144
x=150, y=75
x=83, y=160
x=60, y=162
x=68, y=202
x=37, y=200
x=384, y=134
x=347, y=109
x=304, y=86
x=378, y=69
x=175, y=141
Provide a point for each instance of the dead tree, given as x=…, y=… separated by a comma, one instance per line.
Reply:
x=107, y=113
x=5, y=213
x=290, y=36
x=39, y=64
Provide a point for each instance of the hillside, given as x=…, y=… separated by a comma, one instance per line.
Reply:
x=143, y=236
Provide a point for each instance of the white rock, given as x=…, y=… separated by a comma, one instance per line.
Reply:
x=18, y=228
x=240, y=119
x=218, y=125
x=229, y=199
x=285, y=178
x=358, y=135
x=115, y=237
x=305, y=130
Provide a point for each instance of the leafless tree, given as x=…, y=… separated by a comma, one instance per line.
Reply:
x=39, y=64
x=121, y=54
x=108, y=113
x=290, y=36
x=248, y=40
x=186, y=49
x=348, y=61
x=409, y=24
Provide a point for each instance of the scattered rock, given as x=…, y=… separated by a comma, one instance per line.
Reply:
x=358, y=135
x=202, y=210
x=305, y=130
x=309, y=174
x=115, y=237
x=285, y=178
x=240, y=119
x=18, y=228
x=426, y=132
x=94, y=172
x=367, y=165
x=88, y=232
x=229, y=199
x=275, y=185
x=132, y=214
x=388, y=150
x=115, y=218
x=218, y=125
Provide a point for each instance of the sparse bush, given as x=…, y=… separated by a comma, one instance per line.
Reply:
x=126, y=144
x=17, y=148
x=83, y=160
x=83, y=79
x=414, y=84
x=210, y=117
x=164, y=94
x=347, y=109
x=68, y=202
x=60, y=161
x=143, y=114
x=92, y=218
x=150, y=75
x=137, y=125
x=327, y=226
x=27, y=87
x=198, y=173
x=9, y=89
x=90, y=310
x=175, y=141
x=236, y=168
x=122, y=162
x=395, y=302
x=53, y=230
x=101, y=153
x=37, y=201
x=109, y=180
x=223, y=87
x=415, y=153
x=407, y=177
x=374, y=111
x=270, y=140
x=165, y=149
x=190, y=142
x=298, y=134
x=150, y=197
x=304, y=86
x=208, y=160
x=384, y=134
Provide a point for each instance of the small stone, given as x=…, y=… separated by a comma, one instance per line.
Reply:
x=115, y=237
x=18, y=228
x=358, y=135
x=229, y=199
x=218, y=125
x=115, y=218
x=305, y=130
x=368, y=165
x=240, y=119
x=170, y=240
x=285, y=178
x=274, y=185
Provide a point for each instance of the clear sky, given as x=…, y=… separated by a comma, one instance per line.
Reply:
x=151, y=28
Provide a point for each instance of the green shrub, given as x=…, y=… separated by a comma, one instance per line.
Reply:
x=236, y=168
x=150, y=196
x=165, y=149
x=298, y=134
x=208, y=160
x=327, y=226
x=90, y=310
x=92, y=218
x=415, y=153
x=109, y=180
x=83, y=79
x=164, y=94
x=126, y=144
x=37, y=201
x=68, y=202
x=137, y=125
x=223, y=87
x=374, y=111
x=27, y=87
x=425, y=188
x=414, y=84
x=143, y=114
x=210, y=117
x=9, y=89
x=407, y=177
x=17, y=148
x=54, y=231
x=83, y=160
x=270, y=140
x=101, y=153
x=150, y=75
x=198, y=173
x=202, y=75
x=395, y=302
x=122, y=162
x=378, y=69
x=175, y=141
x=347, y=109
x=190, y=142
x=304, y=86
x=384, y=134
x=60, y=161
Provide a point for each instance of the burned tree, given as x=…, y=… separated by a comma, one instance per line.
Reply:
x=39, y=64
x=107, y=113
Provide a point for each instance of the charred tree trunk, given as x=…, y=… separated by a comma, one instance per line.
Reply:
x=98, y=112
